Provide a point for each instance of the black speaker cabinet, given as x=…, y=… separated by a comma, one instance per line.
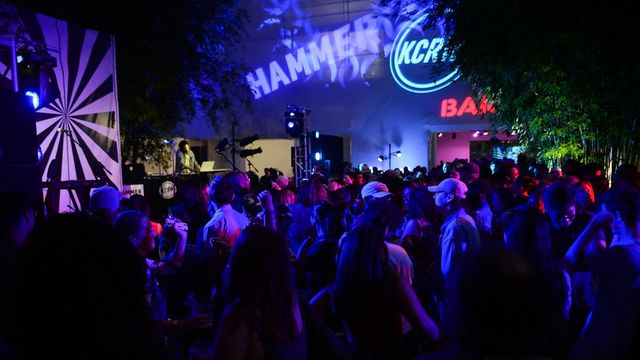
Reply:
x=19, y=166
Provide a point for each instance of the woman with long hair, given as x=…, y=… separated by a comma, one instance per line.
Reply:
x=263, y=317
x=370, y=297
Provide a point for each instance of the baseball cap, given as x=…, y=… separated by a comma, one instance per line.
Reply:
x=375, y=189
x=451, y=186
x=105, y=197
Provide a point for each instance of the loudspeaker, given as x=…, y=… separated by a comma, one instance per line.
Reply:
x=19, y=163
x=18, y=138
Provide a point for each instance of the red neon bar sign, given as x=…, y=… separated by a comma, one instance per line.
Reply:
x=450, y=108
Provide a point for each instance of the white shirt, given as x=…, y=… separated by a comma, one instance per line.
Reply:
x=225, y=226
x=457, y=234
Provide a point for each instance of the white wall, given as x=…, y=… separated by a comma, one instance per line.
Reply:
x=276, y=153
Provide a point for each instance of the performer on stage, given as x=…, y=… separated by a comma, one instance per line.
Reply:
x=185, y=159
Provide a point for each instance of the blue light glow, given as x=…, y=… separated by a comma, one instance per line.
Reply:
x=290, y=124
x=318, y=156
x=317, y=134
x=35, y=99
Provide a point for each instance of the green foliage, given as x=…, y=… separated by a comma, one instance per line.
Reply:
x=175, y=62
x=562, y=74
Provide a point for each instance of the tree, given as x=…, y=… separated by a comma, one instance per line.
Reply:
x=562, y=74
x=174, y=61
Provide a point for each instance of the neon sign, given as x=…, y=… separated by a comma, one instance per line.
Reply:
x=414, y=55
x=449, y=107
x=347, y=52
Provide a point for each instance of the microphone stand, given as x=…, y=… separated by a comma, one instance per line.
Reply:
x=251, y=165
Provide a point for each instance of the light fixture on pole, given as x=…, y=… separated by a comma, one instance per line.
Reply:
x=396, y=153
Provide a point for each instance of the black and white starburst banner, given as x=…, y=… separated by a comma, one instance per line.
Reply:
x=79, y=131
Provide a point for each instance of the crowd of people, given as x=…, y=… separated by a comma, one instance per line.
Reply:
x=469, y=260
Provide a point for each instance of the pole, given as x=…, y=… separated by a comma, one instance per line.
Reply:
x=233, y=143
x=389, y=156
x=173, y=158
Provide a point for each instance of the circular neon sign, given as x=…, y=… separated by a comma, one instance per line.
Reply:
x=418, y=62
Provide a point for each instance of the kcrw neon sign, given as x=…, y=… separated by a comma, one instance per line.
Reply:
x=418, y=63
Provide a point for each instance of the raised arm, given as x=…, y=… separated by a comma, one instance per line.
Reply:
x=576, y=252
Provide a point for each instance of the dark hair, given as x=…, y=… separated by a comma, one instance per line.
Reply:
x=129, y=223
x=330, y=219
x=362, y=266
x=76, y=272
x=259, y=280
x=382, y=213
x=13, y=206
x=558, y=195
x=420, y=203
x=182, y=145
x=626, y=200
x=503, y=309
x=527, y=232
x=221, y=190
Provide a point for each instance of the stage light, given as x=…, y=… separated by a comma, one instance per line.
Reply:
x=485, y=133
x=35, y=77
x=382, y=158
x=317, y=134
x=398, y=153
x=248, y=140
x=294, y=122
x=318, y=156
x=35, y=99
x=475, y=134
x=222, y=145
x=249, y=152
x=440, y=134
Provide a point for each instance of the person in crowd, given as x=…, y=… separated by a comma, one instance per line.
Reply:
x=310, y=193
x=499, y=311
x=380, y=209
x=263, y=316
x=192, y=206
x=226, y=223
x=458, y=233
x=585, y=197
x=241, y=188
x=469, y=173
x=479, y=209
x=186, y=162
x=315, y=263
x=420, y=238
x=135, y=227
x=17, y=221
x=612, y=330
x=560, y=206
x=104, y=203
x=80, y=293
x=527, y=233
x=371, y=298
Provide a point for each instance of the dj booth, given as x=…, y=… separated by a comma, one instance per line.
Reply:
x=164, y=191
